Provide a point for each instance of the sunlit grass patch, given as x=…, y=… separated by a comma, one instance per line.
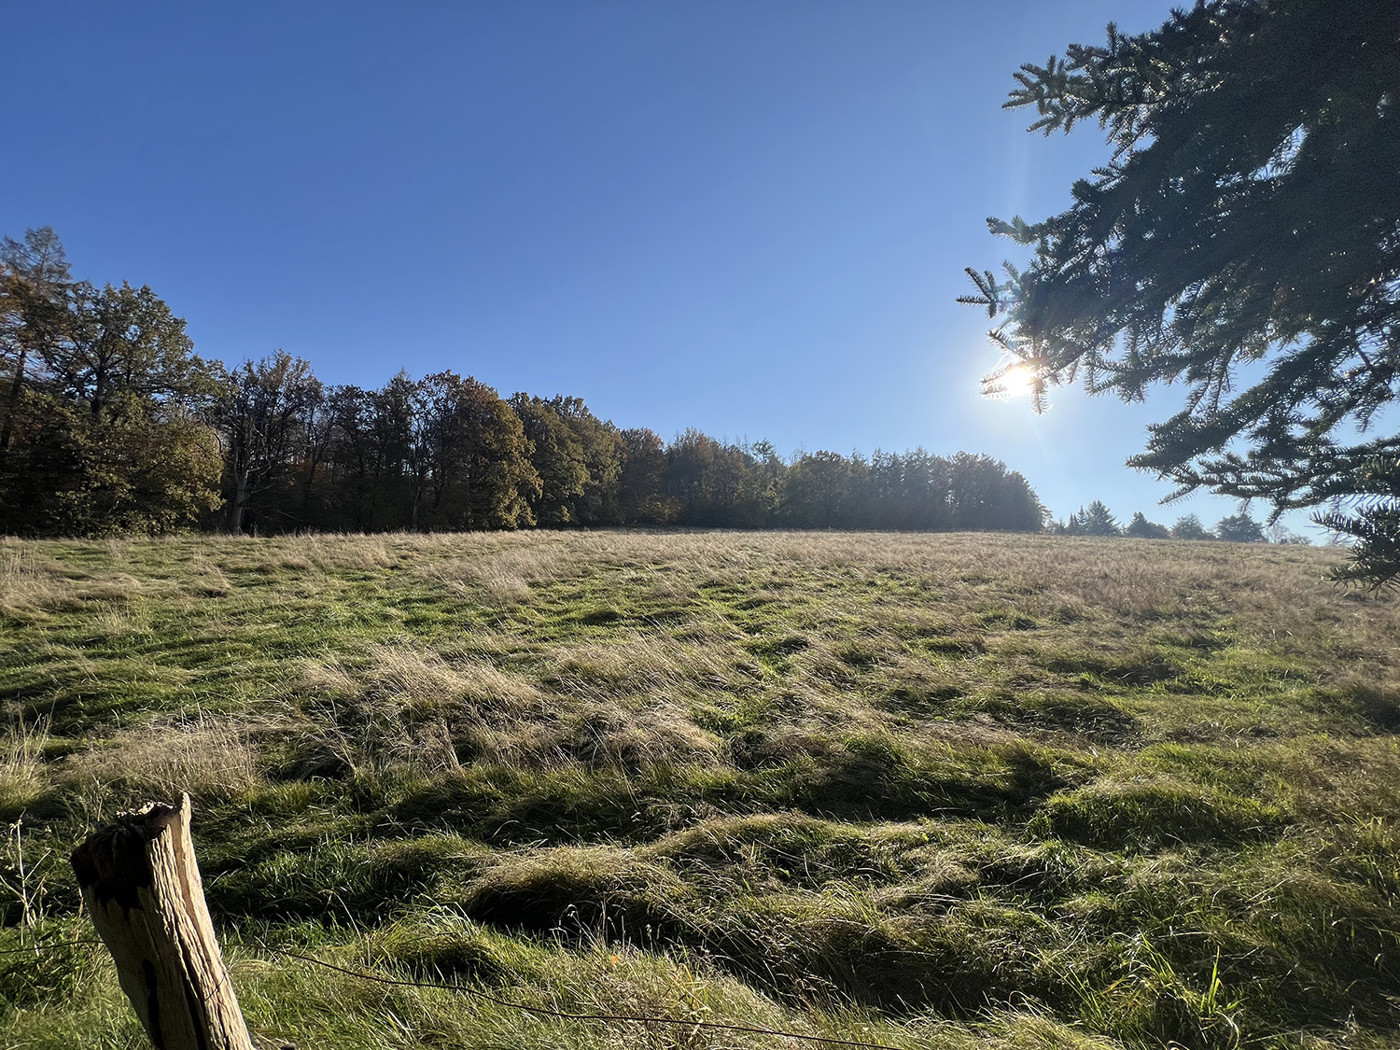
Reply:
x=22, y=774
x=211, y=759
x=925, y=790
x=1148, y=813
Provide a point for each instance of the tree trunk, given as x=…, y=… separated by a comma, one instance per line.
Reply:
x=15, y=386
x=141, y=885
x=238, y=503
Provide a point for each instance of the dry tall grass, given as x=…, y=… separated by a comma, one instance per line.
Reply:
x=22, y=773
x=210, y=758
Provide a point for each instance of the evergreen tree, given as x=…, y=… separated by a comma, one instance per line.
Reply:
x=1093, y=520
x=1239, y=528
x=1249, y=218
x=983, y=494
x=1189, y=527
x=1141, y=528
x=911, y=489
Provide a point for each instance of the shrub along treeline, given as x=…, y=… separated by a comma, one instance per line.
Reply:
x=110, y=423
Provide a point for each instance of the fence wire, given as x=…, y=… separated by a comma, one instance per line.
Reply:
x=543, y=1011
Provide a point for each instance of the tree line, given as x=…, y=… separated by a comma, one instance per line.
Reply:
x=110, y=423
x=1097, y=520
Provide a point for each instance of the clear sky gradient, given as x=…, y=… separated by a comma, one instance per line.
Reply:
x=749, y=217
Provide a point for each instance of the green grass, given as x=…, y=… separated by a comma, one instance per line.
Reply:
x=917, y=790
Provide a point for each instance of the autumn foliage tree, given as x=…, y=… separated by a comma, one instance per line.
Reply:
x=104, y=427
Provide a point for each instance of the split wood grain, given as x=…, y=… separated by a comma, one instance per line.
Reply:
x=141, y=885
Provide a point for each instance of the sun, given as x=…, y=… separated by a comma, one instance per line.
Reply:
x=1016, y=383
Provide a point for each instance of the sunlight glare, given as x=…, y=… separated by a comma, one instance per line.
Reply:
x=1016, y=383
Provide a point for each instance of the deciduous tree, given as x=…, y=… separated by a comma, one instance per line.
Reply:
x=35, y=313
x=817, y=491
x=602, y=459
x=480, y=471
x=642, y=481
x=557, y=455
x=107, y=431
x=261, y=413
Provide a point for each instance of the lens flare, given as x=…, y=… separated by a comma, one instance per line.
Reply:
x=1017, y=382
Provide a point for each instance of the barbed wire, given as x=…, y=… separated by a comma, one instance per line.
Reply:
x=543, y=1011
x=570, y=1015
x=50, y=944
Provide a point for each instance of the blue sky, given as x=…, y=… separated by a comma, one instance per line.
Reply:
x=747, y=217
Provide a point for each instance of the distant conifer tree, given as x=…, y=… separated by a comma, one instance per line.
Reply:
x=1239, y=528
x=1141, y=528
x=1093, y=520
x=1189, y=527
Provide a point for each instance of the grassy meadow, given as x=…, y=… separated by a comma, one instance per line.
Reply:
x=916, y=790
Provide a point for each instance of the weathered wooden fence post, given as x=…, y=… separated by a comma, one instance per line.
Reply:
x=141, y=885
